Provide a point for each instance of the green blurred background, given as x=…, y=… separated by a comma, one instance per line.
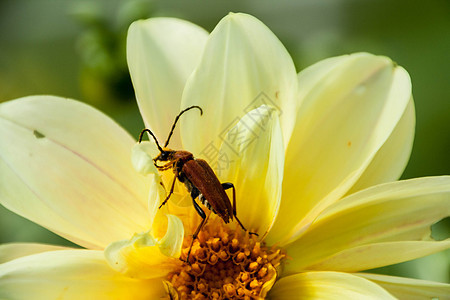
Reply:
x=76, y=49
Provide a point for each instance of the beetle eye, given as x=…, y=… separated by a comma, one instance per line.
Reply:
x=163, y=156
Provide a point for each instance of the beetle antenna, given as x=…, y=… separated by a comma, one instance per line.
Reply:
x=154, y=137
x=176, y=120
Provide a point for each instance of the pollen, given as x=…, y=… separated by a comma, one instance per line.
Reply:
x=225, y=264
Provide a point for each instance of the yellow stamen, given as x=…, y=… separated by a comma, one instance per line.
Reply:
x=225, y=264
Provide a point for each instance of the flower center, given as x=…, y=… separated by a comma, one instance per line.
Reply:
x=225, y=264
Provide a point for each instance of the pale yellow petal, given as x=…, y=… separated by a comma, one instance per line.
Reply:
x=349, y=108
x=419, y=192
x=326, y=285
x=161, y=54
x=66, y=166
x=171, y=243
x=252, y=158
x=143, y=256
x=71, y=274
x=244, y=65
x=408, y=288
x=398, y=211
x=156, y=195
x=390, y=161
x=188, y=215
x=15, y=250
x=142, y=156
x=377, y=255
x=142, y=159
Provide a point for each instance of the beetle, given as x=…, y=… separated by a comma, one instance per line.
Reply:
x=199, y=179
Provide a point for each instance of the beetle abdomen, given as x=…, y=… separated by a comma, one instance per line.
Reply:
x=206, y=203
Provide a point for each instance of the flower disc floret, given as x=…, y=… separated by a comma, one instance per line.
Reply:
x=226, y=264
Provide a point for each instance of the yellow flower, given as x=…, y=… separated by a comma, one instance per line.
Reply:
x=302, y=151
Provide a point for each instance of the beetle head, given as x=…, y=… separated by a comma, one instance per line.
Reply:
x=165, y=155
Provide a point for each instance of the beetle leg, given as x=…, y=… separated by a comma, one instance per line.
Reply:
x=229, y=185
x=171, y=190
x=202, y=215
x=194, y=194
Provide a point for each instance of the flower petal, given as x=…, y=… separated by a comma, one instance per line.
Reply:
x=142, y=158
x=252, y=158
x=411, y=289
x=15, y=250
x=244, y=65
x=326, y=285
x=398, y=211
x=143, y=256
x=70, y=274
x=161, y=54
x=376, y=255
x=66, y=166
x=350, y=106
x=155, y=197
x=171, y=243
x=390, y=161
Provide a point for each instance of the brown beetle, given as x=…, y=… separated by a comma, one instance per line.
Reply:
x=199, y=179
